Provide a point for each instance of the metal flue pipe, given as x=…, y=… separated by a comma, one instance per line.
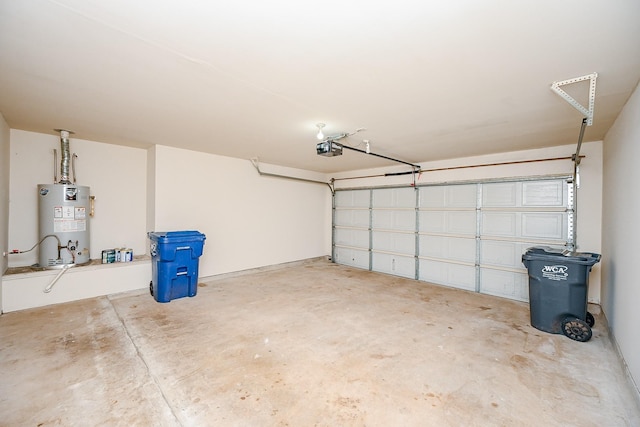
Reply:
x=65, y=157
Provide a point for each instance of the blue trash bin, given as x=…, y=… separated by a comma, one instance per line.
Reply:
x=174, y=263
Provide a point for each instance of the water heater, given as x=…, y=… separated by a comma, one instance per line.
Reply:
x=63, y=217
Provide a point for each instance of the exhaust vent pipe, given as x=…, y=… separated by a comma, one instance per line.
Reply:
x=65, y=160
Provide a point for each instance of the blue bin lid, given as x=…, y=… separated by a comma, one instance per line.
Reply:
x=176, y=236
x=546, y=253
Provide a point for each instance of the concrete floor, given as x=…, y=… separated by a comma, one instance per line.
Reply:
x=310, y=344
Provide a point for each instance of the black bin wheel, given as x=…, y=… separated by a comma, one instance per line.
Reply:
x=590, y=319
x=576, y=329
x=151, y=287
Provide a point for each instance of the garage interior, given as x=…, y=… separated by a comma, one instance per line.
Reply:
x=378, y=283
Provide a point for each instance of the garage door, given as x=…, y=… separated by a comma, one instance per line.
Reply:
x=468, y=236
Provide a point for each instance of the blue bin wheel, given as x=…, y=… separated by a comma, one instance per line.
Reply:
x=576, y=329
x=151, y=287
x=590, y=320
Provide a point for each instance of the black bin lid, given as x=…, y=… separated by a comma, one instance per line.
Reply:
x=546, y=253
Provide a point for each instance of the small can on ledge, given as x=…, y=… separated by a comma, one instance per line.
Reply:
x=108, y=256
x=126, y=255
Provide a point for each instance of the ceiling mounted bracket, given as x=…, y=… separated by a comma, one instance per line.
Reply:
x=586, y=112
x=256, y=164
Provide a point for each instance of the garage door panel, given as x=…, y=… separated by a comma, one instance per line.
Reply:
x=403, y=243
x=463, y=276
x=461, y=223
x=394, y=198
x=394, y=264
x=505, y=284
x=503, y=253
x=394, y=220
x=448, y=274
x=499, y=224
x=352, y=218
x=434, y=271
x=459, y=196
x=353, y=198
x=433, y=221
x=532, y=225
x=462, y=249
x=453, y=222
x=544, y=193
x=432, y=197
x=352, y=237
x=551, y=225
x=433, y=246
x=455, y=248
x=352, y=257
x=503, y=194
x=449, y=196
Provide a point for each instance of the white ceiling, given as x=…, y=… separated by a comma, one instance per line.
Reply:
x=248, y=78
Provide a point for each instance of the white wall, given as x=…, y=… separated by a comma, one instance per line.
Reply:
x=4, y=194
x=117, y=178
x=25, y=290
x=151, y=189
x=621, y=232
x=249, y=220
x=589, y=194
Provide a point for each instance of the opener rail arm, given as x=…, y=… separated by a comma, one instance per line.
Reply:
x=256, y=164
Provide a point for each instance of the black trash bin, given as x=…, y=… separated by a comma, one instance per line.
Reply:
x=558, y=290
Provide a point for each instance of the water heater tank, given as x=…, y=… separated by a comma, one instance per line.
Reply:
x=63, y=225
